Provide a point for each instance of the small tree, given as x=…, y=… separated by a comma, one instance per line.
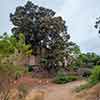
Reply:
x=12, y=49
x=42, y=29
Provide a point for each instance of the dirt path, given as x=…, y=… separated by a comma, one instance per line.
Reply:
x=54, y=92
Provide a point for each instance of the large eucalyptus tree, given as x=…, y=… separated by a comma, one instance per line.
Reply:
x=42, y=28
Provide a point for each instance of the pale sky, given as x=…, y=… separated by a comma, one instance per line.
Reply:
x=80, y=16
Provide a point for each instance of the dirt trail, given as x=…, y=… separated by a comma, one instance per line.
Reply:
x=55, y=92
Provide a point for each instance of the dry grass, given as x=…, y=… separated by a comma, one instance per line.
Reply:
x=35, y=95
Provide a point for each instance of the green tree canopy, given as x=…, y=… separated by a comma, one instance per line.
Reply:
x=11, y=48
x=39, y=25
x=97, y=24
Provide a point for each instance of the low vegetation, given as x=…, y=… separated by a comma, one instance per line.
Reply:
x=13, y=71
x=62, y=78
x=95, y=76
x=23, y=90
x=92, y=80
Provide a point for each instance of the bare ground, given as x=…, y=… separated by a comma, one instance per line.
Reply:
x=54, y=91
x=92, y=93
x=44, y=89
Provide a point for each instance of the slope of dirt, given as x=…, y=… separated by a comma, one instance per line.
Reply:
x=44, y=89
x=54, y=92
x=90, y=94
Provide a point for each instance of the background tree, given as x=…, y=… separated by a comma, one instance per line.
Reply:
x=42, y=30
x=38, y=24
x=97, y=24
x=87, y=60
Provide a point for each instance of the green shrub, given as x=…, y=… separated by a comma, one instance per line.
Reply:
x=82, y=87
x=23, y=89
x=62, y=78
x=12, y=71
x=44, y=61
x=30, y=68
x=95, y=76
x=18, y=74
x=72, y=78
x=93, y=79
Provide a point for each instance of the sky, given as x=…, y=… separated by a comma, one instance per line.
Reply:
x=80, y=16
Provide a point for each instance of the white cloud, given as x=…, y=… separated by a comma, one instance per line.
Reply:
x=80, y=16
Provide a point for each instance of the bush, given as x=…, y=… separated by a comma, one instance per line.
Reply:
x=95, y=76
x=93, y=79
x=11, y=71
x=23, y=90
x=18, y=74
x=62, y=78
x=82, y=87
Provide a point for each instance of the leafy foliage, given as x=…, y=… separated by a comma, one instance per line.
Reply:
x=6, y=47
x=97, y=24
x=23, y=89
x=38, y=24
x=62, y=78
x=12, y=49
x=11, y=71
x=93, y=79
x=95, y=76
x=42, y=29
x=82, y=87
x=88, y=60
